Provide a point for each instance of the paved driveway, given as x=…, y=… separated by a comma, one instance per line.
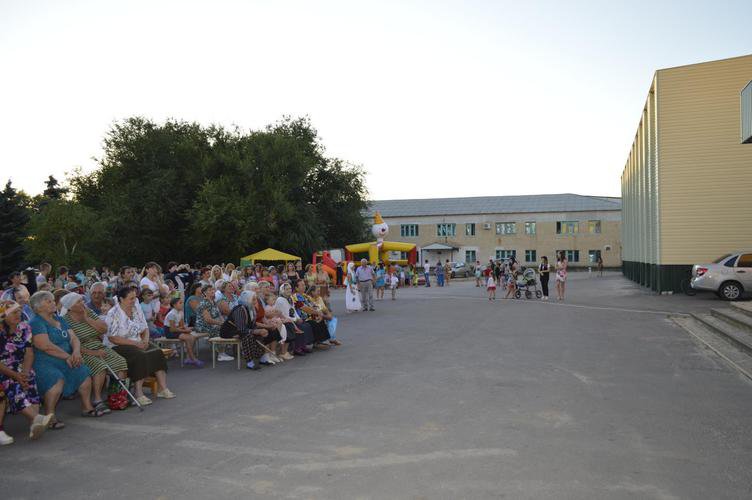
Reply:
x=441, y=394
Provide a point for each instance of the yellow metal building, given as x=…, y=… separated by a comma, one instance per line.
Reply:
x=687, y=183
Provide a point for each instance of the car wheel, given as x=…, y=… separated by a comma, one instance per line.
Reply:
x=731, y=290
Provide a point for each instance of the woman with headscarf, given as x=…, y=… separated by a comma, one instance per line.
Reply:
x=89, y=329
x=352, y=297
x=128, y=335
x=18, y=386
x=59, y=366
x=241, y=323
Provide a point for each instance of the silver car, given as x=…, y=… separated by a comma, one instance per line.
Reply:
x=460, y=270
x=729, y=276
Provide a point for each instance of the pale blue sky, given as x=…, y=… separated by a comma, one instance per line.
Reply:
x=432, y=98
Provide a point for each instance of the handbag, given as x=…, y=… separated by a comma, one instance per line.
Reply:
x=117, y=398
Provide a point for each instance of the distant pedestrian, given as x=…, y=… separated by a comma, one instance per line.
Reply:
x=478, y=273
x=380, y=281
x=599, y=263
x=544, y=275
x=427, y=273
x=364, y=276
x=561, y=274
x=491, y=285
x=439, y=274
x=447, y=272
x=393, y=284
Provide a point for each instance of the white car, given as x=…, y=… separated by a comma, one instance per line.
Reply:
x=729, y=276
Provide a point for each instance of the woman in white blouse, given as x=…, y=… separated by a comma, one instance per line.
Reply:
x=128, y=335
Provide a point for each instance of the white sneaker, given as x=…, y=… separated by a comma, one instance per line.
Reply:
x=5, y=439
x=276, y=358
x=143, y=401
x=224, y=357
x=166, y=394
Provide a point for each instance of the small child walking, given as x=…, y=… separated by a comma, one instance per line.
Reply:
x=491, y=286
x=393, y=283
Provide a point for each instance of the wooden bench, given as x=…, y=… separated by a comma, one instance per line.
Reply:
x=151, y=382
x=219, y=341
x=198, y=336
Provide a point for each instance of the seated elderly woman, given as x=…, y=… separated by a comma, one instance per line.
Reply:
x=241, y=323
x=299, y=333
x=90, y=329
x=312, y=316
x=98, y=298
x=269, y=318
x=128, y=335
x=59, y=366
x=18, y=386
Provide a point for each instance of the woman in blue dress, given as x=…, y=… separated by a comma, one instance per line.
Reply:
x=58, y=364
x=380, y=281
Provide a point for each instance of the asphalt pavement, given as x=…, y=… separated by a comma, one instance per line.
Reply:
x=440, y=394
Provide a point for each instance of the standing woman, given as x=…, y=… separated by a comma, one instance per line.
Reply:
x=600, y=265
x=310, y=276
x=380, y=282
x=561, y=274
x=544, y=275
x=58, y=363
x=128, y=335
x=323, y=280
x=352, y=297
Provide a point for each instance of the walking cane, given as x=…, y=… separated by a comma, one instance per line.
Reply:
x=122, y=384
x=265, y=348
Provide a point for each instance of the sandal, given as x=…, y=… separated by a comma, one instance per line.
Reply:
x=92, y=413
x=56, y=425
x=102, y=406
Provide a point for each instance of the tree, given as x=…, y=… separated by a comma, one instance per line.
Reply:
x=180, y=191
x=64, y=232
x=53, y=190
x=14, y=214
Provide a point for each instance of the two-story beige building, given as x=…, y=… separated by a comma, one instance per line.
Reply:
x=496, y=227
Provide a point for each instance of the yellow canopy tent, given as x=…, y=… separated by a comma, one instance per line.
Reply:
x=269, y=254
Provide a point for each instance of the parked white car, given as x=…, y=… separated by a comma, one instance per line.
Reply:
x=729, y=276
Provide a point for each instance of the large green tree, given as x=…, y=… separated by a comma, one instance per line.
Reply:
x=14, y=214
x=181, y=191
x=65, y=233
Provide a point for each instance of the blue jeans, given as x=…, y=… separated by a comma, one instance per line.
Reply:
x=440, y=279
x=428, y=279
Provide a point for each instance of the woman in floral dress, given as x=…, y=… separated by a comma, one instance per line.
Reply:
x=17, y=377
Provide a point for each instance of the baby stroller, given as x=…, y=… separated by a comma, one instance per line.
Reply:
x=527, y=284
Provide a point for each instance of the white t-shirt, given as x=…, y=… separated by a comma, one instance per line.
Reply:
x=41, y=280
x=149, y=283
x=173, y=318
x=426, y=267
x=394, y=281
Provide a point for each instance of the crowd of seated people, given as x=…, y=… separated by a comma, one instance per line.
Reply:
x=67, y=334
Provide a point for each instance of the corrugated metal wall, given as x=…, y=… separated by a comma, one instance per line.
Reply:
x=746, y=113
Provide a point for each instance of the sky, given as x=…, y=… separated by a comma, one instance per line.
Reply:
x=431, y=98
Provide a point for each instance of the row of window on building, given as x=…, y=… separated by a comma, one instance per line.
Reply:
x=531, y=256
x=505, y=228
